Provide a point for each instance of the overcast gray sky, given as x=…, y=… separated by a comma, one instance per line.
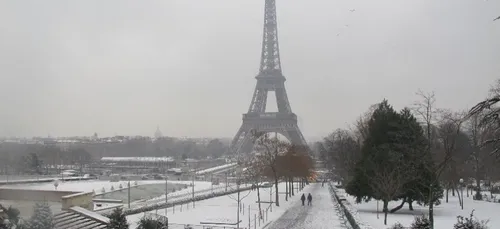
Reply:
x=124, y=67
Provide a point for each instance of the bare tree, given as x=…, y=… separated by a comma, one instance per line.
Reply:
x=360, y=129
x=342, y=152
x=268, y=151
x=454, y=147
x=481, y=159
x=253, y=175
x=441, y=128
x=426, y=111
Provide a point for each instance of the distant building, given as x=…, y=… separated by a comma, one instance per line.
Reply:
x=158, y=133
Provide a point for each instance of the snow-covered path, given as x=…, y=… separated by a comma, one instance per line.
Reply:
x=322, y=213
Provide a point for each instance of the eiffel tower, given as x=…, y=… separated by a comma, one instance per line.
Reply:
x=270, y=78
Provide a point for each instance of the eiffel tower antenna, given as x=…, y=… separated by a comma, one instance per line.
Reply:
x=270, y=78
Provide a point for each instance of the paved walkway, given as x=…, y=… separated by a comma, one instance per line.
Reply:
x=323, y=214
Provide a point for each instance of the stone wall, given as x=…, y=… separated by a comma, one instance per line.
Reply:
x=83, y=199
x=33, y=195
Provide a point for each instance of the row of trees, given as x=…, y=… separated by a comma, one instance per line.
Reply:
x=411, y=155
x=277, y=160
x=39, y=159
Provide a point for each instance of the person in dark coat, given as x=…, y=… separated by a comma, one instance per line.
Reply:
x=309, y=199
x=303, y=198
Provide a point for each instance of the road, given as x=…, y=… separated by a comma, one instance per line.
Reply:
x=323, y=214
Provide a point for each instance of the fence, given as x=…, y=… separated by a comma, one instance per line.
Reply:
x=353, y=221
x=187, y=199
x=346, y=212
x=249, y=219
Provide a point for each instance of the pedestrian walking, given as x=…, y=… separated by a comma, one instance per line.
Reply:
x=309, y=199
x=303, y=198
x=323, y=183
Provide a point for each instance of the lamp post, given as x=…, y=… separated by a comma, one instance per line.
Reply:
x=239, y=170
x=166, y=195
x=462, y=192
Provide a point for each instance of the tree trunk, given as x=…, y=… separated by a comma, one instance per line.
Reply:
x=453, y=191
x=478, y=188
x=276, y=191
x=431, y=206
x=386, y=203
x=460, y=198
x=398, y=207
x=491, y=189
x=286, y=189
x=447, y=190
x=410, y=205
x=293, y=191
x=258, y=200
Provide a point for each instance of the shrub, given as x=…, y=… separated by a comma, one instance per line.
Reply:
x=470, y=223
x=421, y=222
x=397, y=226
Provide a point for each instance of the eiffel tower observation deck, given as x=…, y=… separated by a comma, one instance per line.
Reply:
x=269, y=79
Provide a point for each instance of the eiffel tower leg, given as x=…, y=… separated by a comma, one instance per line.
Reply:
x=247, y=145
x=282, y=100
x=295, y=136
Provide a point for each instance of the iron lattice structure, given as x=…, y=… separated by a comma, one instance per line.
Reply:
x=270, y=78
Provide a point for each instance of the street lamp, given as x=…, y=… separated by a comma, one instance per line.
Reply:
x=238, y=171
x=462, y=192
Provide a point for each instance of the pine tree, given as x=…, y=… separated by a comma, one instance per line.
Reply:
x=391, y=159
x=118, y=220
x=412, y=136
x=42, y=217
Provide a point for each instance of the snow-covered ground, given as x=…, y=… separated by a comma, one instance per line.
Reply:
x=322, y=214
x=81, y=186
x=200, y=187
x=224, y=209
x=445, y=214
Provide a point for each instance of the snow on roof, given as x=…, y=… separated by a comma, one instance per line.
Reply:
x=137, y=159
x=213, y=169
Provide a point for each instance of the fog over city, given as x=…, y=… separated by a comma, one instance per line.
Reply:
x=124, y=67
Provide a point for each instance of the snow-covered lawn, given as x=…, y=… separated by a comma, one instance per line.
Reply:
x=200, y=187
x=445, y=214
x=81, y=186
x=224, y=209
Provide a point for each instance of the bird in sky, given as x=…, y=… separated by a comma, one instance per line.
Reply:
x=498, y=18
x=353, y=10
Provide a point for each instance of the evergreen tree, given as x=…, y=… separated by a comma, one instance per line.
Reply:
x=11, y=219
x=117, y=220
x=392, y=160
x=412, y=136
x=42, y=217
x=381, y=129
